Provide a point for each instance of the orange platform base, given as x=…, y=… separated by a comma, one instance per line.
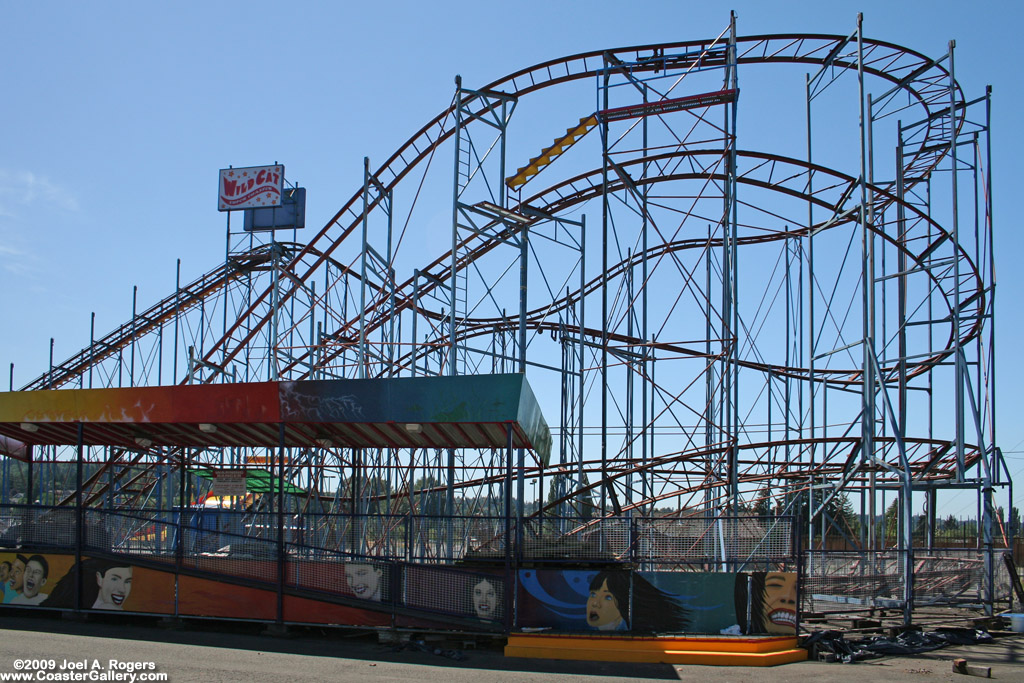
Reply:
x=712, y=650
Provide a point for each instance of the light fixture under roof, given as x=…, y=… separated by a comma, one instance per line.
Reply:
x=143, y=441
x=30, y=427
x=413, y=427
x=207, y=428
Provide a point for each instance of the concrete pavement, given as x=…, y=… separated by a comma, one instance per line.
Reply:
x=209, y=652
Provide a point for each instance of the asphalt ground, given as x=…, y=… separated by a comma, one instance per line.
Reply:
x=210, y=652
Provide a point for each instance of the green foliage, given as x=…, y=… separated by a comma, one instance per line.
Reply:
x=837, y=517
x=892, y=517
x=762, y=503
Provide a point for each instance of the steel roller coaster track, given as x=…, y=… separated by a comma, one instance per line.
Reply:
x=920, y=88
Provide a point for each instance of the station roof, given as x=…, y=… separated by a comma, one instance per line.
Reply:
x=470, y=411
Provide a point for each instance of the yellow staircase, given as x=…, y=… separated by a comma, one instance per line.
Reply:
x=538, y=163
x=712, y=650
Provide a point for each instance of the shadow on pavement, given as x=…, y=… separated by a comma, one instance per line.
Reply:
x=317, y=642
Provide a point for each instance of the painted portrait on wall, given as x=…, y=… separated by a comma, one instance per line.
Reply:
x=106, y=585
x=28, y=578
x=486, y=598
x=365, y=580
x=773, y=603
x=610, y=600
x=472, y=594
x=112, y=585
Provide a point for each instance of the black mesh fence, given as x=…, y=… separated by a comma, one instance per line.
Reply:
x=841, y=580
x=34, y=526
x=460, y=566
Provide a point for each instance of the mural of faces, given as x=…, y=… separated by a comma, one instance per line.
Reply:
x=115, y=584
x=364, y=580
x=603, y=612
x=485, y=600
x=34, y=577
x=17, y=578
x=780, y=602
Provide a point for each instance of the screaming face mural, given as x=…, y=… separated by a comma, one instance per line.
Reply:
x=114, y=584
x=603, y=606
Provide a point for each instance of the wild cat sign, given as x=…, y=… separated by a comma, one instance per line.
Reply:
x=253, y=187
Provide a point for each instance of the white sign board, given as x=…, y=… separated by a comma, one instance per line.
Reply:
x=253, y=187
x=229, y=483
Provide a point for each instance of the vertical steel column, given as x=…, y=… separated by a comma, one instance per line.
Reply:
x=646, y=478
x=92, y=345
x=177, y=320
x=524, y=256
x=363, y=272
x=901, y=241
x=224, y=289
x=710, y=437
x=275, y=299
x=989, y=233
x=131, y=365
x=811, y=386
x=281, y=433
x=393, y=320
x=79, y=513
x=415, y=317
x=452, y=314
x=581, y=350
x=179, y=541
x=449, y=507
x=959, y=370
x=992, y=314
x=627, y=452
x=509, y=569
x=730, y=284
x=29, y=483
x=868, y=359
x=604, y=292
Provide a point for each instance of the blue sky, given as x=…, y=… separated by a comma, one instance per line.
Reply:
x=117, y=116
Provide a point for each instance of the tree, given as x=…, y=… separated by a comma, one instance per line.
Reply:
x=837, y=515
x=762, y=505
x=583, y=505
x=892, y=517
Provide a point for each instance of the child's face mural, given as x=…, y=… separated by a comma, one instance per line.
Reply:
x=485, y=600
x=603, y=609
x=364, y=580
x=780, y=602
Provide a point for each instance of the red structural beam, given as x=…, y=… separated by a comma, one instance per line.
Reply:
x=635, y=111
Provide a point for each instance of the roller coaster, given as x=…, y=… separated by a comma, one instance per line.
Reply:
x=713, y=327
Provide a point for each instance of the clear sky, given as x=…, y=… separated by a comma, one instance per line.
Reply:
x=116, y=117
